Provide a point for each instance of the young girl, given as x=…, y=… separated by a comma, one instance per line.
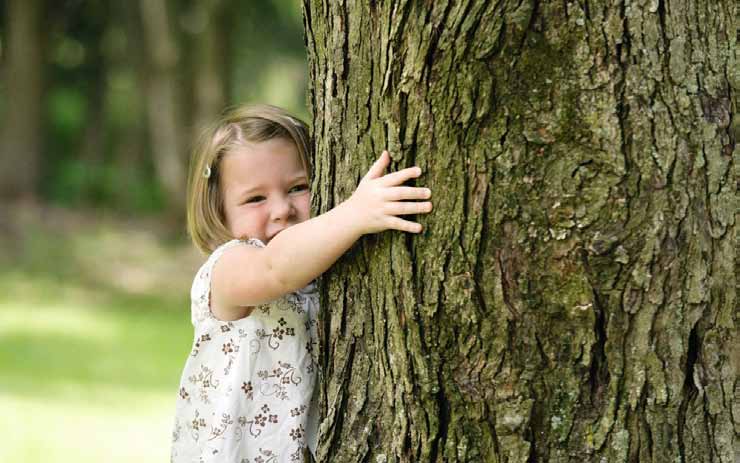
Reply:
x=246, y=389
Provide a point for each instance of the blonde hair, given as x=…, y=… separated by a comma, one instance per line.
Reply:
x=238, y=127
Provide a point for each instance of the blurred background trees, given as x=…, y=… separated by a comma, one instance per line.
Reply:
x=99, y=103
x=100, y=99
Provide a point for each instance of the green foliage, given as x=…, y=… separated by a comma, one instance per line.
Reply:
x=268, y=55
x=80, y=183
x=67, y=111
x=97, y=138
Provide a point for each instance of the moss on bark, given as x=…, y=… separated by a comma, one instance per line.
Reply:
x=571, y=298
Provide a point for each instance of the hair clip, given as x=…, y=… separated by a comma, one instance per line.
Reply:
x=207, y=171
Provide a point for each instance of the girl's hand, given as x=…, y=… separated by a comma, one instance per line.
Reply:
x=379, y=199
x=246, y=276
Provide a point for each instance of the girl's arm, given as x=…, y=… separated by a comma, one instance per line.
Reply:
x=246, y=276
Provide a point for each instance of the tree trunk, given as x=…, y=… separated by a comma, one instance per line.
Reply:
x=20, y=152
x=572, y=297
x=163, y=102
x=209, y=59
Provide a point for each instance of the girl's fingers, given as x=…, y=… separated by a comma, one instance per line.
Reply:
x=399, y=193
x=378, y=167
x=407, y=208
x=397, y=178
x=395, y=223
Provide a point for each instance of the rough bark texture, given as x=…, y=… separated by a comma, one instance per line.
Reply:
x=573, y=296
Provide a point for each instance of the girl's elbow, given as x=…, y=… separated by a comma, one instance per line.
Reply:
x=277, y=278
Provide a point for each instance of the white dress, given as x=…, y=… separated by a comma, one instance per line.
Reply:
x=246, y=390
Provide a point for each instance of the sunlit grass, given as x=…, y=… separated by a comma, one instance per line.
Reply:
x=37, y=429
x=89, y=366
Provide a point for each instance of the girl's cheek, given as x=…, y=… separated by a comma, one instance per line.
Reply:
x=305, y=206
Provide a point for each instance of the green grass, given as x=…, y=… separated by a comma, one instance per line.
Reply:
x=89, y=369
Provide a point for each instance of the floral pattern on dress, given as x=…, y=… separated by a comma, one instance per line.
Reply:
x=246, y=389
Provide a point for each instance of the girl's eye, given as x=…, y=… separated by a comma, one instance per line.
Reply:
x=255, y=199
x=299, y=188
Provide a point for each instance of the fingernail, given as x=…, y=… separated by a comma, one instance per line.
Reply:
x=418, y=171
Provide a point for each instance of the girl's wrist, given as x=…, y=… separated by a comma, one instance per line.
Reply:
x=350, y=218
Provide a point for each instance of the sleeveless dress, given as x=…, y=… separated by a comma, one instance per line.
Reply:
x=247, y=387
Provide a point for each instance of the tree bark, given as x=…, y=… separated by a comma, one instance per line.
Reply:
x=572, y=297
x=20, y=153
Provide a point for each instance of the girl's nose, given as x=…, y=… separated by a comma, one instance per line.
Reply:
x=282, y=209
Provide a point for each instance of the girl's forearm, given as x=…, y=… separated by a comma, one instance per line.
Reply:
x=304, y=251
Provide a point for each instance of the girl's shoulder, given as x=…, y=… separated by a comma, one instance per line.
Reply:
x=200, y=292
x=204, y=272
x=230, y=244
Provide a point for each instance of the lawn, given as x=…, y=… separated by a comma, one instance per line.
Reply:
x=94, y=331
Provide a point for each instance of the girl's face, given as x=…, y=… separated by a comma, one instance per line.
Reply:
x=265, y=189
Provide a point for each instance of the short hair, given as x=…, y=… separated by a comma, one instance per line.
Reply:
x=206, y=222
